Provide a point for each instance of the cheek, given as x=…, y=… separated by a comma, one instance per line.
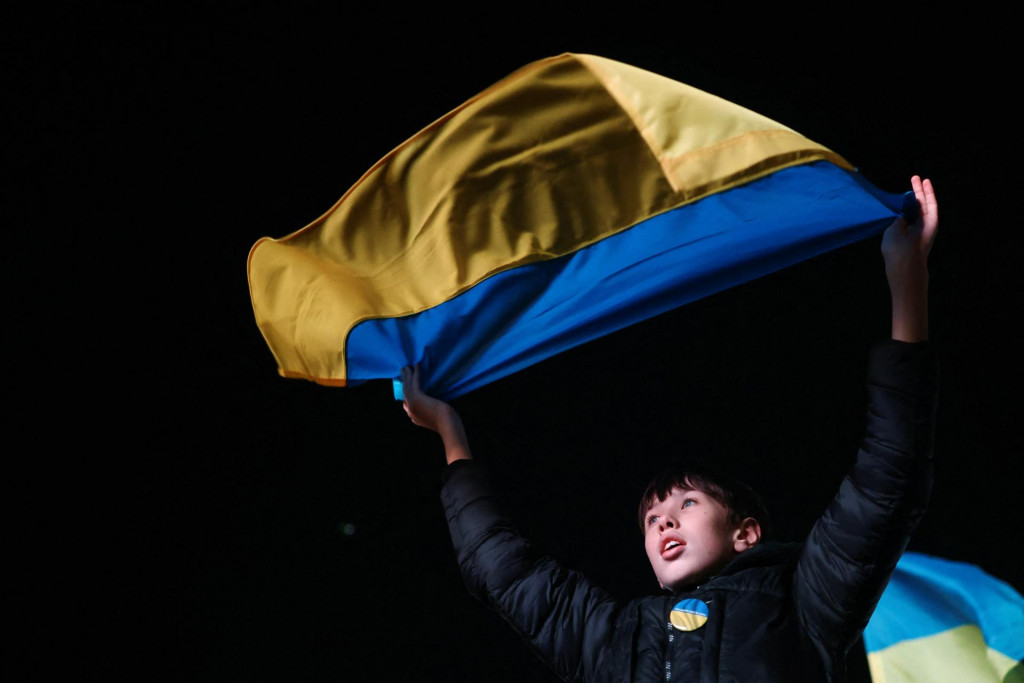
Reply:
x=650, y=546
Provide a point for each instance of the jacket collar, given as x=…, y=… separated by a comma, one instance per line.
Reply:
x=765, y=555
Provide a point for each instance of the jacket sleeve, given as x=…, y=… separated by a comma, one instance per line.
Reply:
x=853, y=549
x=568, y=622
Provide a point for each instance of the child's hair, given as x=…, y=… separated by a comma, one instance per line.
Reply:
x=739, y=499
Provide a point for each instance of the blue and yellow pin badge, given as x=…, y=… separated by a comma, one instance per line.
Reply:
x=689, y=615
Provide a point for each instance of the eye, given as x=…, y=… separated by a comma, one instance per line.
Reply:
x=689, y=501
x=651, y=519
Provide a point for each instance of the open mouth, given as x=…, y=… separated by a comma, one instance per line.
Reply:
x=670, y=544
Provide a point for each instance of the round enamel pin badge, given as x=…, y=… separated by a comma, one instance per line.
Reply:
x=689, y=615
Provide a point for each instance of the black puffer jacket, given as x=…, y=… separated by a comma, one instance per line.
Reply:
x=779, y=612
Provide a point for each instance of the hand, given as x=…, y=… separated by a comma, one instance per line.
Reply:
x=427, y=411
x=424, y=411
x=905, y=248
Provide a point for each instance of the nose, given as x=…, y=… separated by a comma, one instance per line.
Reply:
x=667, y=523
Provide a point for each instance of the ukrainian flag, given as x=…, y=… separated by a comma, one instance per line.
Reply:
x=942, y=621
x=575, y=197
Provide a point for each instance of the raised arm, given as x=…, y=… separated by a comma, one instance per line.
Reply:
x=852, y=550
x=567, y=621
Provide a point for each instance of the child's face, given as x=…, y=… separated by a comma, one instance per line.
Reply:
x=688, y=538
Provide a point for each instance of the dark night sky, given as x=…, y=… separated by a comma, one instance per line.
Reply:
x=187, y=503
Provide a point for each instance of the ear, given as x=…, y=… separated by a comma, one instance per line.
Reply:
x=746, y=535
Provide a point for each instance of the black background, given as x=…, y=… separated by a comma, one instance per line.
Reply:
x=179, y=508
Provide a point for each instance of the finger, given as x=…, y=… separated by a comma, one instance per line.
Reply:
x=915, y=184
x=929, y=213
x=898, y=223
x=415, y=378
x=920, y=192
x=892, y=233
x=929, y=198
x=406, y=384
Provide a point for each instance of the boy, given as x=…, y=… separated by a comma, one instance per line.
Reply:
x=739, y=609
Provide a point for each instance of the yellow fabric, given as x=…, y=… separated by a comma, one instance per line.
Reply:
x=720, y=145
x=958, y=655
x=561, y=154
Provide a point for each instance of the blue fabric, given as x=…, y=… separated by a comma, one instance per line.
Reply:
x=524, y=315
x=928, y=595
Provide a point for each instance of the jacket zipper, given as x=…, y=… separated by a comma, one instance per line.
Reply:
x=668, y=653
